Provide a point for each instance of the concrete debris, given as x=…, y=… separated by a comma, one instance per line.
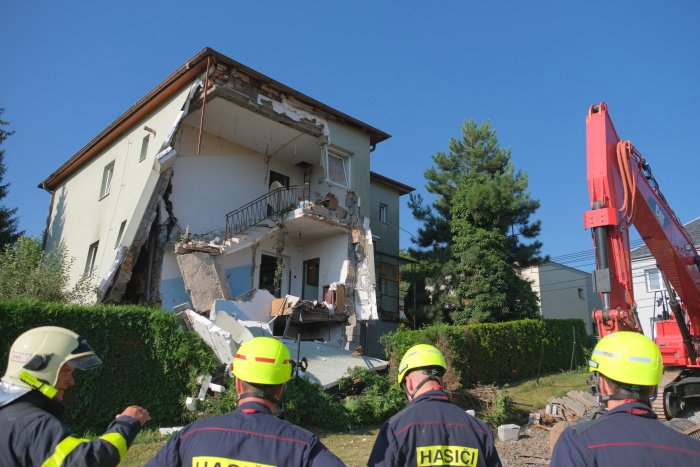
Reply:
x=574, y=406
x=219, y=340
x=204, y=381
x=203, y=279
x=254, y=305
x=508, y=432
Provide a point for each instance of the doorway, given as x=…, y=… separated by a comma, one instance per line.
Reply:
x=309, y=288
x=268, y=266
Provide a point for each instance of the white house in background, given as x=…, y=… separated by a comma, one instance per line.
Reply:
x=564, y=292
x=649, y=290
x=274, y=186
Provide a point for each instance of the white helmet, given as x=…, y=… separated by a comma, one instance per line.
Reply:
x=37, y=356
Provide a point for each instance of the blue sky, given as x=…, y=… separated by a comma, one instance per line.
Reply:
x=416, y=70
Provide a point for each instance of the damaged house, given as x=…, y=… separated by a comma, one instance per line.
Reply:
x=223, y=184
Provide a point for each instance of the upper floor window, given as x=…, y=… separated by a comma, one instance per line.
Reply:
x=653, y=280
x=144, y=147
x=107, y=180
x=338, y=169
x=120, y=234
x=383, y=213
x=90, y=262
x=581, y=293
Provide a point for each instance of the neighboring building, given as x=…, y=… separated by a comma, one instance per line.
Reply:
x=564, y=292
x=384, y=218
x=274, y=186
x=649, y=290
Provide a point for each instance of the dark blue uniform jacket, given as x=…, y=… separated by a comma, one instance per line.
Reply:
x=249, y=436
x=628, y=435
x=431, y=430
x=32, y=434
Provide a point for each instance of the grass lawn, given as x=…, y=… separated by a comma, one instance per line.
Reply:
x=353, y=447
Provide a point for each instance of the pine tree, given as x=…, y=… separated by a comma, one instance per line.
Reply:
x=477, y=232
x=8, y=221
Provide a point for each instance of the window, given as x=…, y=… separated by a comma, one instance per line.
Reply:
x=338, y=169
x=90, y=262
x=653, y=280
x=120, y=234
x=144, y=147
x=581, y=294
x=382, y=213
x=107, y=180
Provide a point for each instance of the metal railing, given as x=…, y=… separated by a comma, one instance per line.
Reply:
x=275, y=202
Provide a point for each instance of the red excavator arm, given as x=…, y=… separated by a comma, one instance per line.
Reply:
x=624, y=193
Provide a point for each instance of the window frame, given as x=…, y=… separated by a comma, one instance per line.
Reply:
x=144, y=147
x=383, y=213
x=647, y=280
x=347, y=172
x=122, y=228
x=91, y=258
x=107, y=177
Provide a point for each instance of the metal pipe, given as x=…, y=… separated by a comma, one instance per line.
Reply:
x=204, y=105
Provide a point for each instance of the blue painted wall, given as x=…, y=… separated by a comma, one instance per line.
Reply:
x=238, y=279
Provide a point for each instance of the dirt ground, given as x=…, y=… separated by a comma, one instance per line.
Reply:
x=531, y=449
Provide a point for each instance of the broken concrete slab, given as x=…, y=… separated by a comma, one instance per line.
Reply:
x=328, y=364
x=219, y=340
x=203, y=279
x=254, y=305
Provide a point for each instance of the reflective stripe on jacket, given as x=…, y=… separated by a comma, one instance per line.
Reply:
x=32, y=434
x=251, y=435
x=627, y=435
x=433, y=431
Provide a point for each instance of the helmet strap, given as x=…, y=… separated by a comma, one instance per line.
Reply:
x=40, y=385
x=432, y=375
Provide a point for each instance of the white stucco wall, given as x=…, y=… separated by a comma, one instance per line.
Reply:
x=642, y=296
x=79, y=217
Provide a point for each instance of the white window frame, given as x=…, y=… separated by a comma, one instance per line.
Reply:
x=383, y=213
x=334, y=154
x=91, y=257
x=107, y=176
x=648, y=273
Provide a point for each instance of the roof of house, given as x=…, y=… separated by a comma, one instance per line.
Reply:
x=182, y=77
x=398, y=186
x=693, y=229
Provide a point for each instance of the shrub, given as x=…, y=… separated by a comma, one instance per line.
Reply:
x=307, y=404
x=502, y=411
x=149, y=359
x=28, y=272
x=371, y=398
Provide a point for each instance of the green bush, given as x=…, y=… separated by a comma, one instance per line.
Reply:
x=502, y=411
x=496, y=353
x=26, y=271
x=307, y=404
x=371, y=397
x=149, y=359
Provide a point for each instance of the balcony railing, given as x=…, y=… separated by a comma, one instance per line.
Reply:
x=275, y=202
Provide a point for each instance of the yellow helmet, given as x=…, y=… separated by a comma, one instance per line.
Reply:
x=263, y=360
x=420, y=356
x=37, y=356
x=629, y=358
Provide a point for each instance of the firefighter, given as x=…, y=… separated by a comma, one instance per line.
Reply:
x=39, y=371
x=251, y=434
x=625, y=368
x=431, y=430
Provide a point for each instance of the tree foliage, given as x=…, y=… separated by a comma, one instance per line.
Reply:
x=26, y=271
x=477, y=232
x=8, y=222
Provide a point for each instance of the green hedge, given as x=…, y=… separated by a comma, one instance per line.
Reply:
x=149, y=359
x=496, y=353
